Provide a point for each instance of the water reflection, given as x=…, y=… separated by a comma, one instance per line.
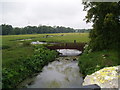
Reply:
x=37, y=42
x=69, y=52
x=59, y=74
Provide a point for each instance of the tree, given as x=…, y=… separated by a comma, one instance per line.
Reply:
x=106, y=24
x=6, y=29
x=16, y=31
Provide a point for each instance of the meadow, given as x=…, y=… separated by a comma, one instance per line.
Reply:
x=14, y=49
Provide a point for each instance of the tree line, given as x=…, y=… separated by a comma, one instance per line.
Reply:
x=83, y=30
x=9, y=30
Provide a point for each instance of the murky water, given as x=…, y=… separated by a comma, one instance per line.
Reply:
x=62, y=73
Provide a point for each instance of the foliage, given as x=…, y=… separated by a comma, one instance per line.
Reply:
x=106, y=24
x=94, y=61
x=6, y=29
x=9, y=30
x=22, y=68
x=103, y=37
x=26, y=44
x=83, y=30
x=87, y=49
x=5, y=47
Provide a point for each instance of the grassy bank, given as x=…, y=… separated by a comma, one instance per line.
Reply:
x=94, y=61
x=23, y=68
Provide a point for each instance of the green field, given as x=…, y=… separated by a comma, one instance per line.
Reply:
x=13, y=49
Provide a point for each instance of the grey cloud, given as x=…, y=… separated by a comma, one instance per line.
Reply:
x=53, y=12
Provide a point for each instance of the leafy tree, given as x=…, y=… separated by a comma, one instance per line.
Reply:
x=106, y=24
x=6, y=29
x=16, y=31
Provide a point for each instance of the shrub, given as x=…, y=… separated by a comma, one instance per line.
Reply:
x=26, y=44
x=5, y=47
x=23, y=68
x=94, y=61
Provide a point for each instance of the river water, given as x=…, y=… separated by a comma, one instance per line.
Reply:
x=61, y=73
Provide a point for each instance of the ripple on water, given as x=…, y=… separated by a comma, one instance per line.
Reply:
x=59, y=74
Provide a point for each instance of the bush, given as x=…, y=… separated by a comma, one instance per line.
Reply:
x=25, y=44
x=23, y=68
x=5, y=47
x=94, y=61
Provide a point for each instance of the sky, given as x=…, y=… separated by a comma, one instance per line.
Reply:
x=20, y=13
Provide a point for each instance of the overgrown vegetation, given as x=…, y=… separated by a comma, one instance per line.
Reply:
x=5, y=47
x=106, y=24
x=22, y=68
x=94, y=61
x=103, y=48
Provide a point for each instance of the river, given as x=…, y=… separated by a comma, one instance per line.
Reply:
x=61, y=73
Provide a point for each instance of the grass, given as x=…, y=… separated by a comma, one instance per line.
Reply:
x=94, y=61
x=68, y=37
x=15, y=49
x=11, y=55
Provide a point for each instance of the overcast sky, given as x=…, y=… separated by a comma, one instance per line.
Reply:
x=20, y=13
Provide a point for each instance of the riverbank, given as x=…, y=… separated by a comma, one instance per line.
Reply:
x=23, y=68
x=91, y=62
